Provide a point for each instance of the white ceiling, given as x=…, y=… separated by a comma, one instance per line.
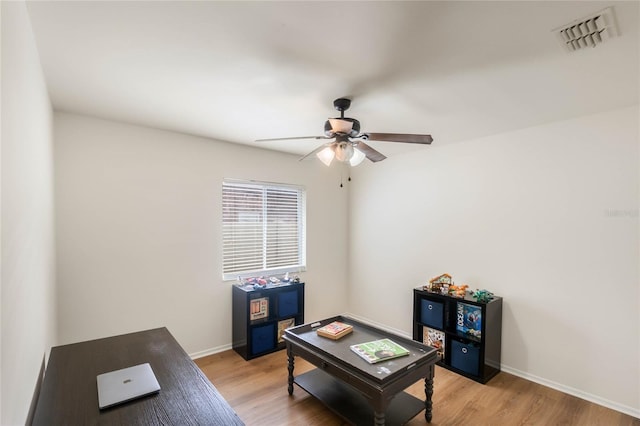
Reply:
x=240, y=71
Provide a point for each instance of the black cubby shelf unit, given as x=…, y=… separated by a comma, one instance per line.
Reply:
x=260, y=316
x=471, y=331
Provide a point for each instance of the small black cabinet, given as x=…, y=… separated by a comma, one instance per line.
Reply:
x=468, y=332
x=260, y=316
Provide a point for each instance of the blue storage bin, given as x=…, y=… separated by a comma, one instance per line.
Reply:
x=288, y=303
x=263, y=338
x=431, y=313
x=465, y=357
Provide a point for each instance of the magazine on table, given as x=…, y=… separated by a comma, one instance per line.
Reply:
x=379, y=350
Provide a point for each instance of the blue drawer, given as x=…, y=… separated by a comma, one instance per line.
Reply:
x=465, y=357
x=431, y=313
x=263, y=338
x=288, y=304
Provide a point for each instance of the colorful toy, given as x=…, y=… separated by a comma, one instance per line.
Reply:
x=439, y=284
x=483, y=296
x=458, y=290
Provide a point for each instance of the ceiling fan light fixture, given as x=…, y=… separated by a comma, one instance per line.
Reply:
x=358, y=157
x=326, y=156
x=344, y=151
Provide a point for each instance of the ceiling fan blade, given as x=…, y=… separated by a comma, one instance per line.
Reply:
x=315, y=151
x=399, y=137
x=291, y=138
x=369, y=152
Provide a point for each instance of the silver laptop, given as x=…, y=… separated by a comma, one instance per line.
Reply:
x=124, y=385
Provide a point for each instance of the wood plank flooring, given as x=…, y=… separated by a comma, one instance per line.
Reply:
x=257, y=391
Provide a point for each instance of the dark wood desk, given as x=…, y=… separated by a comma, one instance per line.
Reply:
x=359, y=392
x=69, y=394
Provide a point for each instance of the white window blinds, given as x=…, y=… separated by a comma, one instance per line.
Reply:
x=262, y=228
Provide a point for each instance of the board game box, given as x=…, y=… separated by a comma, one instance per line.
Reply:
x=469, y=319
x=335, y=330
x=259, y=308
x=434, y=338
x=283, y=325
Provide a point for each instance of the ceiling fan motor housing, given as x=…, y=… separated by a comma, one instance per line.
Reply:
x=355, y=128
x=342, y=104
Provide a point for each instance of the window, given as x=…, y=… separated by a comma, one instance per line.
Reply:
x=263, y=229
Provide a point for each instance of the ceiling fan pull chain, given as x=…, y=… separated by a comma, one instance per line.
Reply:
x=342, y=172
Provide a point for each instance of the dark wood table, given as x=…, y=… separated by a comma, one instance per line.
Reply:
x=359, y=392
x=69, y=394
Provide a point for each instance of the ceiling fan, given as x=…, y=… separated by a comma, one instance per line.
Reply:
x=349, y=145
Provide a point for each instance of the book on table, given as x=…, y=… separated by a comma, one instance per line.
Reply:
x=335, y=330
x=379, y=350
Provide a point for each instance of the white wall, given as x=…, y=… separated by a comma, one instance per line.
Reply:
x=546, y=217
x=28, y=262
x=139, y=230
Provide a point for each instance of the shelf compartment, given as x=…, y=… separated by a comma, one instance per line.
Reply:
x=465, y=356
x=288, y=303
x=262, y=338
x=432, y=313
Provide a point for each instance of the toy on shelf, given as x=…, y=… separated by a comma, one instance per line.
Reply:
x=439, y=284
x=256, y=282
x=458, y=290
x=483, y=296
x=263, y=282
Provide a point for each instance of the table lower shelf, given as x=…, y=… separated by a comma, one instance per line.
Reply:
x=351, y=405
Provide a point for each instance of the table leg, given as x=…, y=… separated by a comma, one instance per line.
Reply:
x=428, y=390
x=378, y=418
x=290, y=368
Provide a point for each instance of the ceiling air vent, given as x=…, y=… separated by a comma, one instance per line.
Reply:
x=587, y=32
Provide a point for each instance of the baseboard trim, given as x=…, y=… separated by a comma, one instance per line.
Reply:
x=211, y=351
x=633, y=412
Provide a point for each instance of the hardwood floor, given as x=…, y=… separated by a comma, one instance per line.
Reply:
x=257, y=391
